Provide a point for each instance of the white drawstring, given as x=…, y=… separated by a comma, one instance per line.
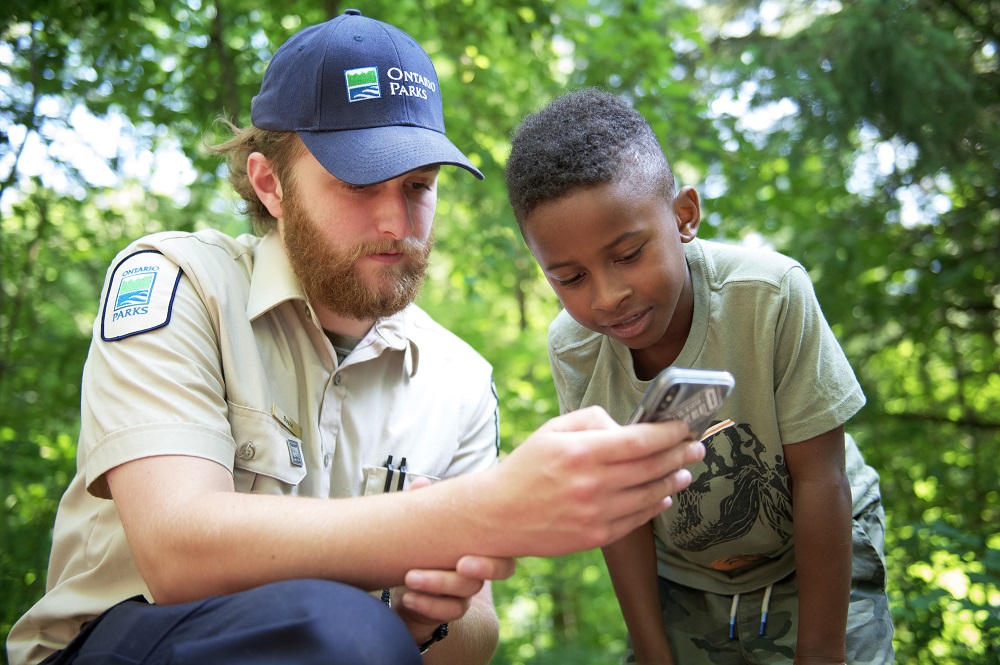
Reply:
x=732, y=617
x=764, y=606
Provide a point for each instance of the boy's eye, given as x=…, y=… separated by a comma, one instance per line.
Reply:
x=575, y=279
x=633, y=256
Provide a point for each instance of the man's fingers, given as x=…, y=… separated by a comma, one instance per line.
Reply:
x=659, y=465
x=644, y=439
x=613, y=444
x=642, y=471
x=442, y=583
x=647, y=500
x=486, y=567
x=439, y=596
x=592, y=417
x=644, y=500
x=420, y=481
x=440, y=609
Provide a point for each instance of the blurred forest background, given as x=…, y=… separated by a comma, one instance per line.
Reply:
x=862, y=138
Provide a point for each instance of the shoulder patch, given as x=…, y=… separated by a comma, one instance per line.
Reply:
x=140, y=295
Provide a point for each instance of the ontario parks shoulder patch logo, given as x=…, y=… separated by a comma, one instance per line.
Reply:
x=362, y=83
x=140, y=295
x=135, y=291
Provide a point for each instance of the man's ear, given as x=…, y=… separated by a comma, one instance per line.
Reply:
x=687, y=209
x=265, y=182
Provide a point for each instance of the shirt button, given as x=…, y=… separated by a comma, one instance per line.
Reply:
x=336, y=379
x=326, y=460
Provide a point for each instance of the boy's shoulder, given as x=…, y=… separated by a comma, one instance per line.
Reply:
x=565, y=335
x=738, y=260
x=725, y=262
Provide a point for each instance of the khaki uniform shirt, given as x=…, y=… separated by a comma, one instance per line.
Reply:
x=755, y=315
x=206, y=346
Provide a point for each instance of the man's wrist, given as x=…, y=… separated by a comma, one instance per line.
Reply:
x=440, y=633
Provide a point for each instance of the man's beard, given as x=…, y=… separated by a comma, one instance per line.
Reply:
x=331, y=278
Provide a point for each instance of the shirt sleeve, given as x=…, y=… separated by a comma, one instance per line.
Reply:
x=158, y=392
x=479, y=448
x=559, y=379
x=815, y=387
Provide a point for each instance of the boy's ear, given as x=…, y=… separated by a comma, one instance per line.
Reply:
x=687, y=209
x=265, y=182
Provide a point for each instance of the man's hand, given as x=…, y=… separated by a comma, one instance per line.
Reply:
x=583, y=481
x=432, y=597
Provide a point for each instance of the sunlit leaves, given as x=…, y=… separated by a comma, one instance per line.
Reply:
x=861, y=138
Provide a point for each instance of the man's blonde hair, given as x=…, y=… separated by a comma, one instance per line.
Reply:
x=280, y=148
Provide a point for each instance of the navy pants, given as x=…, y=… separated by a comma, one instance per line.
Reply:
x=298, y=622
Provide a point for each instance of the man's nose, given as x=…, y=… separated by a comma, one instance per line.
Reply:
x=393, y=215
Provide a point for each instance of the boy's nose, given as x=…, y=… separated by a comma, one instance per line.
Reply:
x=609, y=294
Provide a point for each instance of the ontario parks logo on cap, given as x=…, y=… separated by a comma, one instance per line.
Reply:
x=362, y=83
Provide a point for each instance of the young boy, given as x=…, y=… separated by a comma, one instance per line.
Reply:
x=759, y=561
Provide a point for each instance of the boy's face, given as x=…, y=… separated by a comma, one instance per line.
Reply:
x=613, y=253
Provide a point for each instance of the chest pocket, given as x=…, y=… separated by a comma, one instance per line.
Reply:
x=382, y=479
x=269, y=458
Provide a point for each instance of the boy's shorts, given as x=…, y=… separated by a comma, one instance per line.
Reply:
x=697, y=622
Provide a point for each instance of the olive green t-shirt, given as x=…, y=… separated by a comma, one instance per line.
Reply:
x=755, y=315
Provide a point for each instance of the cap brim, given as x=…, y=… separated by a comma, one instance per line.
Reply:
x=374, y=155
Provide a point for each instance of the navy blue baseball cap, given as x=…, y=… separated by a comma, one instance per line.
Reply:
x=364, y=98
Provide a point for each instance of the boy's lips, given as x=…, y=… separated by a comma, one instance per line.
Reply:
x=631, y=325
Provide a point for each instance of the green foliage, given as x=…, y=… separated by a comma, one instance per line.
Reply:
x=879, y=185
x=862, y=140
x=550, y=613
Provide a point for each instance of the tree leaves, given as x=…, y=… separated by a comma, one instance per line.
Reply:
x=861, y=139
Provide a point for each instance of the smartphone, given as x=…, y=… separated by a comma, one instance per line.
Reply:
x=691, y=395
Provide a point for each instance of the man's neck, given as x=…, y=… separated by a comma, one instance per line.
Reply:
x=335, y=323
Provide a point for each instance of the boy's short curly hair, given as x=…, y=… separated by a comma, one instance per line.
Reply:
x=582, y=139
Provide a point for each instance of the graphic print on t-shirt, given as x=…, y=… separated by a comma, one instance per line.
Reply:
x=736, y=490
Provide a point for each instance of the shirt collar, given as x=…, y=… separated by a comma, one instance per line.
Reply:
x=273, y=281
x=395, y=332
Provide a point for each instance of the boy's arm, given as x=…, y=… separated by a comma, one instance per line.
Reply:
x=821, y=508
x=632, y=566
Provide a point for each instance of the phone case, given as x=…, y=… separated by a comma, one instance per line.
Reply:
x=691, y=395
